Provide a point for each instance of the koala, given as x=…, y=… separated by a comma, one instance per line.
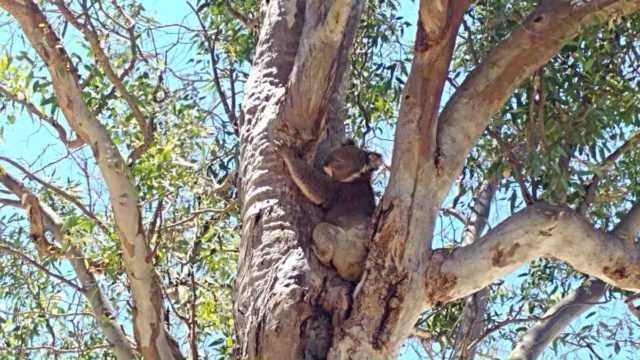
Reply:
x=344, y=191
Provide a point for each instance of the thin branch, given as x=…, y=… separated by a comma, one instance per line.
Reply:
x=603, y=167
x=10, y=249
x=468, y=112
x=515, y=164
x=456, y=214
x=211, y=46
x=30, y=107
x=43, y=219
x=102, y=58
x=144, y=280
x=65, y=195
x=194, y=214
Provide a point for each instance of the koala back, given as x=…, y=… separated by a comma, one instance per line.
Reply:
x=352, y=203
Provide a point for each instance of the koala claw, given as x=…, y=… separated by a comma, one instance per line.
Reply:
x=284, y=142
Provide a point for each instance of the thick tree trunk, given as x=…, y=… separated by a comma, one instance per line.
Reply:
x=286, y=303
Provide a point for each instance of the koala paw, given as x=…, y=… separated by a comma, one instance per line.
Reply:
x=284, y=142
x=323, y=245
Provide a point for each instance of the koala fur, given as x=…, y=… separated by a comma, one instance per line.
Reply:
x=344, y=190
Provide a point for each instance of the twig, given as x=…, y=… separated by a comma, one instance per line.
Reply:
x=30, y=107
x=72, y=199
x=515, y=164
x=216, y=78
x=590, y=190
x=103, y=60
x=35, y=263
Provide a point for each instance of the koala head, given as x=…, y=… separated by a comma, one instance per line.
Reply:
x=349, y=163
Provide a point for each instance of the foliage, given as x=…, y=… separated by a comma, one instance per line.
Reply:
x=550, y=140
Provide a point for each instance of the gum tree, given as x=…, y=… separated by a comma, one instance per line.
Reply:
x=535, y=101
x=287, y=306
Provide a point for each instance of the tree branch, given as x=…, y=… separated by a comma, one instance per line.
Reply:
x=540, y=230
x=485, y=90
x=30, y=107
x=103, y=60
x=557, y=318
x=152, y=336
x=101, y=307
x=211, y=46
x=65, y=195
x=539, y=336
x=605, y=165
x=10, y=249
x=386, y=305
x=316, y=69
x=472, y=319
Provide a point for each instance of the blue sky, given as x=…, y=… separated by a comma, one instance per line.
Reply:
x=33, y=143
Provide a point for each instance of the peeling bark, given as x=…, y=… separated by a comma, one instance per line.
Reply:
x=390, y=295
x=286, y=302
x=542, y=230
x=153, y=339
x=402, y=275
x=100, y=306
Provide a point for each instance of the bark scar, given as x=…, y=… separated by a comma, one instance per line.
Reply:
x=500, y=256
x=391, y=299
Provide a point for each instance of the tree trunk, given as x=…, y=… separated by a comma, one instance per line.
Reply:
x=289, y=306
x=286, y=303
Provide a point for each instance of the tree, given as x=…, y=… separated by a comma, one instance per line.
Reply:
x=281, y=289
x=532, y=101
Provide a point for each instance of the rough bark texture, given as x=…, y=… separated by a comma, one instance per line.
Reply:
x=286, y=302
x=390, y=295
x=287, y=305
x=154, y=342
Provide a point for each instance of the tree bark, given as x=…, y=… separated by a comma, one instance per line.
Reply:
x=471, y=323
x=390, y=295
x=287, y=305
x=543, y=230
x=286, y=302
x=559, y=316
x=98, y=302
x=153, y=339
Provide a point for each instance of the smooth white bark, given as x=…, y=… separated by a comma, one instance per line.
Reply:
x=542, y=230
x=101, y=307
x=559, y=316
x=153, y=339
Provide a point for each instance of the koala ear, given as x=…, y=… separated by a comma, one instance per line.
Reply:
x=348, y=142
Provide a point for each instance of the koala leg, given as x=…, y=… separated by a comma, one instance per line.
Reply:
x=324, y=241
x=344, y=248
